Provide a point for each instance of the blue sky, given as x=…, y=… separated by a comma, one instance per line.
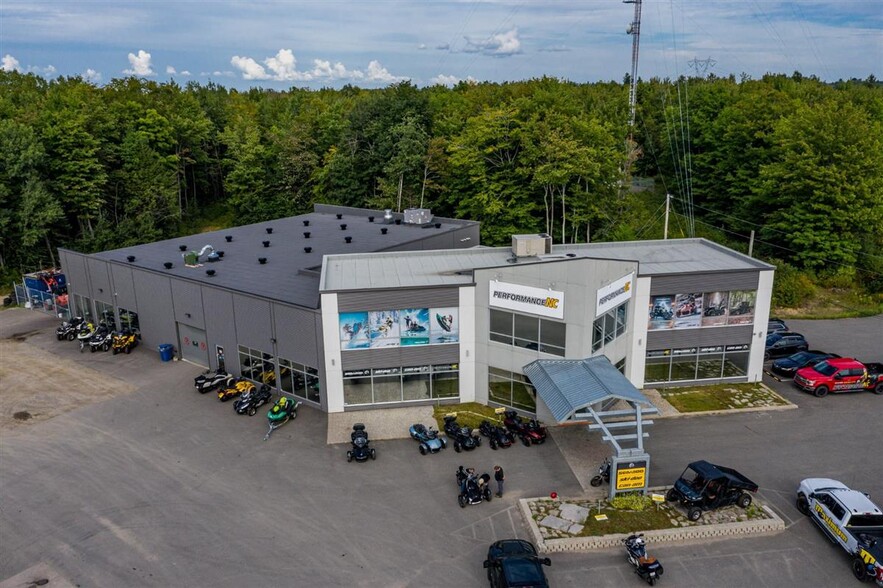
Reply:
x=278, y=44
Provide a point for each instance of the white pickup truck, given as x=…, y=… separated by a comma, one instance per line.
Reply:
x=848, y=518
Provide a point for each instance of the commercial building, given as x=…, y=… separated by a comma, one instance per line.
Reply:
x=419, y=313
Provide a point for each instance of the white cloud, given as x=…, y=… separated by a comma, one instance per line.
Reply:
x=185, y=72
x=9, y=63
x=140, y=64
x=421, y=46
x=170, y=70
x=445, y=80
x=90, y=75
x=282, y=67
x=502, y=44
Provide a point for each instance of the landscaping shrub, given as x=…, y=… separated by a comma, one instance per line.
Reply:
x=631, y=501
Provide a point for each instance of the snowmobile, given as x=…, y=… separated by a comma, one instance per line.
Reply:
x=68, y=329
x=84, y=333
x=283, y=411
x=252, y=399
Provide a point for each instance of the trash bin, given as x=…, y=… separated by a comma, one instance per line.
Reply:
x=166, y=350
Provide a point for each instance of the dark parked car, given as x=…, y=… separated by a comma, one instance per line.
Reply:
x=784, y=343
x=788, y=366
x=776, y=325
x=514, y=562
x=705, y=486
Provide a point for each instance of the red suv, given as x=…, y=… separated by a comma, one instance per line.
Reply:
x=840, y=375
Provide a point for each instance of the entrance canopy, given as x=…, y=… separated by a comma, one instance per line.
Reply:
x=569, y=385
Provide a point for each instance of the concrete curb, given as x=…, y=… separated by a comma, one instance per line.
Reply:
x=680, y=535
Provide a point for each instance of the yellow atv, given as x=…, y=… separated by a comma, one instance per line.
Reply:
x=124, y=342
x=235, y=390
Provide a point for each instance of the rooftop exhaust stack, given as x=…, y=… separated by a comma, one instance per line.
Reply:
x=387, y=216
x=418, y=216
x=531, y=245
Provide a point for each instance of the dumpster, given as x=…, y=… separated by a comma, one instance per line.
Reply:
x=166, y=351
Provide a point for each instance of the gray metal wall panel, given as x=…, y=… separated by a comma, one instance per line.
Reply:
x=398, y=299
x=254, y=326
x=715, y=282
x=220, y=329
x=681, y=338
x=99, y=278
x=296, y=335
x=399, y=356
x=323, y=397
x=187, y=297
x=155, y=315
x=74, y=266
x=124, y=287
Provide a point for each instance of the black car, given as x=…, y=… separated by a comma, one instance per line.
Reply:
x=514, y=562
x=776, y=325
x=788, y=366
x=784, y=343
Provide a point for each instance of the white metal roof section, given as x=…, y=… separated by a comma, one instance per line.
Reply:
x=452, y=267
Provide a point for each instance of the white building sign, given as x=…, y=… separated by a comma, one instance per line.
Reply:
x=612, y=295
x=527, y=299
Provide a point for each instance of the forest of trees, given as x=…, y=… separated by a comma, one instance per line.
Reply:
x=798, y=161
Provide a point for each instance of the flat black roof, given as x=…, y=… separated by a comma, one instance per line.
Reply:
x=290, y=274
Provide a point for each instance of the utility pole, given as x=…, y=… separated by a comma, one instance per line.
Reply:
x=667, y=206
x=751, y=245
x=635, y=31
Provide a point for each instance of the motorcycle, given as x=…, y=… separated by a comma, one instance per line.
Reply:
x=207, y=382
x=497, y=436
x=360, y=450
x=283, y=411
x=648, y=568
x=68, y=329
x=101, y=340
x=603, y=473
x=84, y=333
x=473, y=489
x=529, y=431
x=252, y=399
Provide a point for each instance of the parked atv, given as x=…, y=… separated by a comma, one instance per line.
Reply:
x=530, y=431
x=124, y=342
x=497, y=435
x=234, y=389
x=429, y=440
x=462, y=437
x=209, y=381
x=473, y=489
x=706, y=486
x=101, y=339
x=68, y=329
x=251, y=400
x=360, y=450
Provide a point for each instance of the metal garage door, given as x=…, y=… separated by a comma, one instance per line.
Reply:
x=192, y=343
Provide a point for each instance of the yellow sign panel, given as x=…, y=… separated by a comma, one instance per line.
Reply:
x=657, y=497
x=630, y=478
x=600, y=517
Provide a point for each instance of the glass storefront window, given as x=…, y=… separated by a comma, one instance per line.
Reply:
x=683, y=367
x=657, y=367
x=357, y=390
x=314, y=391
x=528, y=332
x=106, y=314
x=735, y=364
x=83, y=307
x=285, y=375
x=129, y=320
x=501, y=326
x=552, y=337
x=511, y=389
x=692, y=364
x=445, y=384
x=609, y=326
x=410, y=383
x=415, y=383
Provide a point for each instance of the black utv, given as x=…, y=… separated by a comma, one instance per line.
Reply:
x=705, y=486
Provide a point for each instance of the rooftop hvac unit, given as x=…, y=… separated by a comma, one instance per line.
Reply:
x=418, y=216
x=531, y=245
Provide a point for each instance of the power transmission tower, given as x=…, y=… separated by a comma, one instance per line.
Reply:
x=635, y=31
x=701, y=66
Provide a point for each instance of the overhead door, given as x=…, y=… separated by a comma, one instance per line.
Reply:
x=193, y=345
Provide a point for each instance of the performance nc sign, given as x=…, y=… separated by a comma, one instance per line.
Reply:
x=527, y=299
x=614, y=294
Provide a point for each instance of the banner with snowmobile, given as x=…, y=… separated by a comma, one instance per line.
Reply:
x=399, y=328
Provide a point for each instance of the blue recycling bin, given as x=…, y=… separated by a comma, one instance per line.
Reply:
x=166, y=351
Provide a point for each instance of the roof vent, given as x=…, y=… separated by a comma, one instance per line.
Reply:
x=384, y=231
x=229, y=238
x=182, y=248
x=343, y=226
x=370, y=219
x=266, y=243
x=387, y=216
x=168, y=265
x=437, y=225
x=269, y=230
x=531, y=245
x=306, y=222
x=262, y=260
x=130, y=258
x=571, y=255
x=308, y=249
x=348, y=239
x=339, y=216
x=210, y=273
x=398, y=221
x=418, y=216
x=306, y=234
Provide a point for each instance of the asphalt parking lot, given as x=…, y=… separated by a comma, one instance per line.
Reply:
x=165, y=487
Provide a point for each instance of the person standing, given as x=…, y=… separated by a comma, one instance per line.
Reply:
x=500, y=477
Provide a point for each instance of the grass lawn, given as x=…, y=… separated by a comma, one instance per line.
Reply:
x=469, y=414
x=721, y=397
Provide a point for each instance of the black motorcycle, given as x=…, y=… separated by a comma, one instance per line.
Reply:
x=252, y=399
x=648, y=568
x=101, y=339
x=68, y=329
x=360, y=450
x=497, y=435
x=603, y=473
x=473, y=489
x=207, y=382
x=461, y=436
